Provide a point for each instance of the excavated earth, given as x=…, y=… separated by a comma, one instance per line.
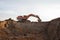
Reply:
x=13, y=30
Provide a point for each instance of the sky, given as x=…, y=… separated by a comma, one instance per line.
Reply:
x=45, y=9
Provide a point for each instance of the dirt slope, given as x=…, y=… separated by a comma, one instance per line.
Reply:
x=13, y=30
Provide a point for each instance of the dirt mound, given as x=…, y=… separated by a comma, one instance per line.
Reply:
x=54, y=29
x=13, y=30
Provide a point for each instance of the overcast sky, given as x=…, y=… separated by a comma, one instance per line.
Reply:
x=45, y=9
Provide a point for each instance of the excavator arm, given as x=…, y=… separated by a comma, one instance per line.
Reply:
x=39, y=20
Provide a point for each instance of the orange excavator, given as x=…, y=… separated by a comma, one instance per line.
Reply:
x=25, y=17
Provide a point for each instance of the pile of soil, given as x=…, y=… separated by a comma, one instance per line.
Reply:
x=14, y=30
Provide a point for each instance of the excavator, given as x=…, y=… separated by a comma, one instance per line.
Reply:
x=25, y=17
